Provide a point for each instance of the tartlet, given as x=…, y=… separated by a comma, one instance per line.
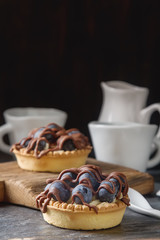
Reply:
x=52, y=149
x=84, y=199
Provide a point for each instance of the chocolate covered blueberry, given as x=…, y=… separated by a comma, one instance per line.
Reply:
x=68, y=145
x=42, y=144
x=89, y=178
x=82, y=194
x=38, y=132
x=69, y=178
x=50, y=137
x=24, y=142
x=107, y=191
x=73, y=132
x=58, y=191
x=54, y=126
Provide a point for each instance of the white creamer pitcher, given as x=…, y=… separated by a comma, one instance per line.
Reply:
x=123, y=101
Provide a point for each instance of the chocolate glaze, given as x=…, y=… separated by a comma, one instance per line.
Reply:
x=97, y=172
x=79, y=195
x=123, y=185
x=41, y=199
x=118, y=176
x=59, y=135
x=121, y=178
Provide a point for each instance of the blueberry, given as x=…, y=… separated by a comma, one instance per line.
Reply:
x=116, y=184
x=47, y=186
x=53, y=125
x=68, y=177
x=68, y=145
x=89, y=176
x=46, y=134
x=24, y=143
x=104, y=195
x=49, y=137
x=82, y=194
x=73, y=132
x=42, y=145
x=28, y=143
x=58, y=188
x=38, y=132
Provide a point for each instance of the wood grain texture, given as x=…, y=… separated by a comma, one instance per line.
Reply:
x=21, y=187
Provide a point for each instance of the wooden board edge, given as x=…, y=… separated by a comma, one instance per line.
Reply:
x=1, y=191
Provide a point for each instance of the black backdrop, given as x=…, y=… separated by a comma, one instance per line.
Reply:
x=55, y=53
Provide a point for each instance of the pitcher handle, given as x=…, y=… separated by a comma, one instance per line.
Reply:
x=5, y=129
x=146, y=113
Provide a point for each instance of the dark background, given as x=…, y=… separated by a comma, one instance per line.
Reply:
x=55, y=53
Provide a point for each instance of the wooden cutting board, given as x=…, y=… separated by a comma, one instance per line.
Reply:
x=21, y=187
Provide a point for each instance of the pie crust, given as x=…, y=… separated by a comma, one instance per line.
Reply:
x=82, y=217
x=53, y=161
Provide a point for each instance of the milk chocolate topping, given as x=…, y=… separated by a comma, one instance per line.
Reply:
x=42, y=198
x=52, y=138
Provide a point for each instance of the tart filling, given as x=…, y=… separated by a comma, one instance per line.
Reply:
x=100, y=206
x=52, y=139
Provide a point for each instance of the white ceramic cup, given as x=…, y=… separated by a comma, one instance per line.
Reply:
x=126, y=144
x=19, y=121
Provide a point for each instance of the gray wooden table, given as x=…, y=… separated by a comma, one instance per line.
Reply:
x=21, y=223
